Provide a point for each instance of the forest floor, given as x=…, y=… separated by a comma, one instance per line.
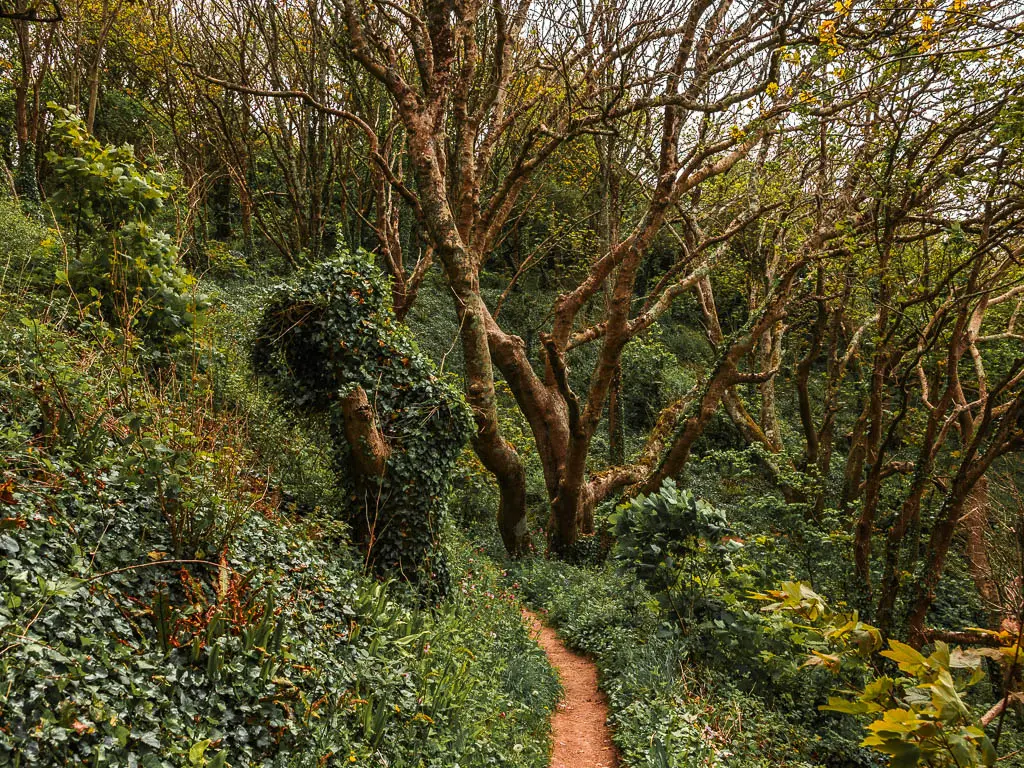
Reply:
x=579, y=730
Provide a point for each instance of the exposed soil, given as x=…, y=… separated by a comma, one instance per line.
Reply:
x=579, y=731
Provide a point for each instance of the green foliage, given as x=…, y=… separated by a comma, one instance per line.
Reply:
x=844, y=634
x=26, y=254
x=784, y=539
x=651, y=378
x=666, y=711
x=299, y=452
x=270, y=648
x=119, y=261
x=917, y=719
x=219, y=261
x=332, y=330
x=677, y=544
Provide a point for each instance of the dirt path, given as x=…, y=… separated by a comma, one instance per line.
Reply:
x=578, y=730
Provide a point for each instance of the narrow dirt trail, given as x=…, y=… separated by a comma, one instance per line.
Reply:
x=579, y=731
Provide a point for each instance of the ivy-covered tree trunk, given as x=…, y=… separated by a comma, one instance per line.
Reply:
x=330, y=343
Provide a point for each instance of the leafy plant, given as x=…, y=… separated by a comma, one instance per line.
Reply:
x=677, y=544
x=922, y=719
x=120, y=261
x=917, y=719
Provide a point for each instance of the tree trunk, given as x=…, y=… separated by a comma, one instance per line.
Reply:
x=220, y=199
x=976, y=523
x=690, y=429
x=497, y=455
x=908, y=514
x=616, y=426
x=854, y=468
x=26, y=181
x=803, y=372
x=769, y=414
x=94, y=90
x=935, y=560
x=461, y=268
x=865, y=527
x=725, y=375
x=738, y=414
x=369, y=447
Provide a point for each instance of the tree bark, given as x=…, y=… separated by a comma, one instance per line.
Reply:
x=976, y=524
x=616, y=425
x=803, y=373
x=369, y=447
x=497, y=455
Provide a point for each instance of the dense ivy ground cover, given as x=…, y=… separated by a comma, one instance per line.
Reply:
x=168, y=598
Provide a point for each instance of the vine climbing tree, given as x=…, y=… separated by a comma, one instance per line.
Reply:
x=329, y=342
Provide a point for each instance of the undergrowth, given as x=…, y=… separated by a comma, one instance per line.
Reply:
x=667, y=710
x=176, y=587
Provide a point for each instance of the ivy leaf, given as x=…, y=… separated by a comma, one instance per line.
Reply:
x=196, y=752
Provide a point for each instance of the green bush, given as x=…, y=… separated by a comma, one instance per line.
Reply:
x=678, y=544
x=119, y=261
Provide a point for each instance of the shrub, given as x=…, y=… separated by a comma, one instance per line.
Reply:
x=120, y=262
x=677, y=544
